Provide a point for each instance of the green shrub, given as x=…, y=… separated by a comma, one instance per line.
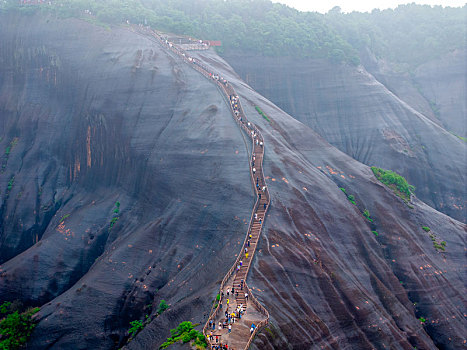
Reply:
x=185, y=326
x=15, y=327
x=10, y=183
x=5, y=307
x=201, y=339
x=366, y=214
x=395, y=181
x=173, y=333
x=117, y=207
x=426, y=229
x=436, y=244
x=113, y=221
x=136, y=326
x=10, y=146
x=185, y=338
x=262, y=113
x=350, y=197
x=185, y=333
x=162, y=307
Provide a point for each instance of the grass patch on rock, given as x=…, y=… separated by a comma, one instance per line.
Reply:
x=350, y=197
x=366, y=214
x=63, y=218
x=437, y=244
x=259, y=110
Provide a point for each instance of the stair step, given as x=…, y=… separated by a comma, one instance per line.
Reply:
x=256, y=227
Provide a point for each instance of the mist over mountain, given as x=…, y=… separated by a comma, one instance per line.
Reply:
x=125, y=180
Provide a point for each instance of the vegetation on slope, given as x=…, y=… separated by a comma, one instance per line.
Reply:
x=350, y=197
x=137, y=326
x=260, y=111
x=394, y=181
x=15, y=327
x=437, y=244
x=185, y=333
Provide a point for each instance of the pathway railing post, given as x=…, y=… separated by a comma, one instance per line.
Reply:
x=228, y=90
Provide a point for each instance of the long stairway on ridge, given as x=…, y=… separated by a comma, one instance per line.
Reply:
x=237, y=305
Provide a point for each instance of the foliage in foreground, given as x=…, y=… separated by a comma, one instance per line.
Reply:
x=15, y=327
x=185, y=333
x=395, y=181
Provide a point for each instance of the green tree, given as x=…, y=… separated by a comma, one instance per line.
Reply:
x=136, y=326
x=15, y=327
x=162, y=307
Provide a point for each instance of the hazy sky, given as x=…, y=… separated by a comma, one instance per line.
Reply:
x=361, y=5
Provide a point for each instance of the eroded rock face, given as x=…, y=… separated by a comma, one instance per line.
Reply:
x=325, y=277
x=384, y=120
x=437, y=89
x=98, y=117
x=104, y=116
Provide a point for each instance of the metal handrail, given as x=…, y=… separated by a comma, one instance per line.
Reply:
x=256, y=302
x=215, y=312
x=205, y=72
x=261, y=324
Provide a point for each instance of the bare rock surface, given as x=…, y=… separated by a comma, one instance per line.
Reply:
x=437, y=88
x=383, y=120
x=103, y=116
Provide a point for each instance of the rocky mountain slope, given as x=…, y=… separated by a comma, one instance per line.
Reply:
x=125, y=181
x=99, y=117
x=380, y=118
